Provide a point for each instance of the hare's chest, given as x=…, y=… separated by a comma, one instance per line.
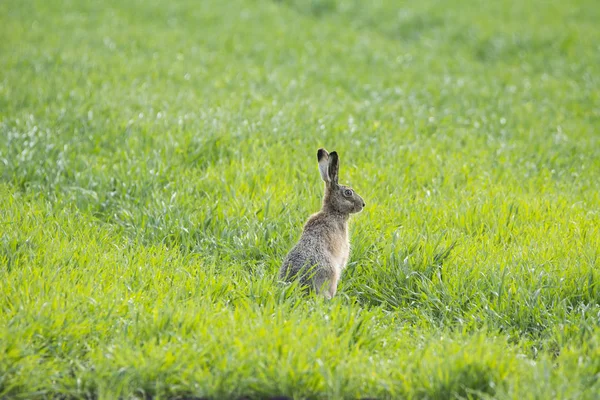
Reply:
x=345, y=253
x=340, y=251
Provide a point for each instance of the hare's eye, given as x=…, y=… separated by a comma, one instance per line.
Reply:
x=348, y=192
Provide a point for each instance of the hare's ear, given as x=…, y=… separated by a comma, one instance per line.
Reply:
x=323, y=158
x=334, y=166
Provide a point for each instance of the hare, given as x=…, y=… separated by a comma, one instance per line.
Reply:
x=322, y=251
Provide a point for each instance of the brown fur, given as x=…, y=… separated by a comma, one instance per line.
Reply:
x=323, y=249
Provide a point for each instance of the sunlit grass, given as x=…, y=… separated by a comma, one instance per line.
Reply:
x=157, y=161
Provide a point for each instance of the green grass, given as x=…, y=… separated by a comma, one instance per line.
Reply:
x=157, y=161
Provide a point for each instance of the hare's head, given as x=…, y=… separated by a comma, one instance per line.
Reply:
x=338, y=198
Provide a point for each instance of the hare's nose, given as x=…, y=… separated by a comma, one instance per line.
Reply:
x=363, y=203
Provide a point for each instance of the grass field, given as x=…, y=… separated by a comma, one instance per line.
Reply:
x=158, y=160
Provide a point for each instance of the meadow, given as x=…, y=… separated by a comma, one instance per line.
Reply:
x=158, y=160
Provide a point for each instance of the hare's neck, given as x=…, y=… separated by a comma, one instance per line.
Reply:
x=340, y=218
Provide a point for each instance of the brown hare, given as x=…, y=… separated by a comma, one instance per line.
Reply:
x=322, y=251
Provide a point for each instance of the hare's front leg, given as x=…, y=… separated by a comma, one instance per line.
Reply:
x=333, y=288
x=326, y=282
